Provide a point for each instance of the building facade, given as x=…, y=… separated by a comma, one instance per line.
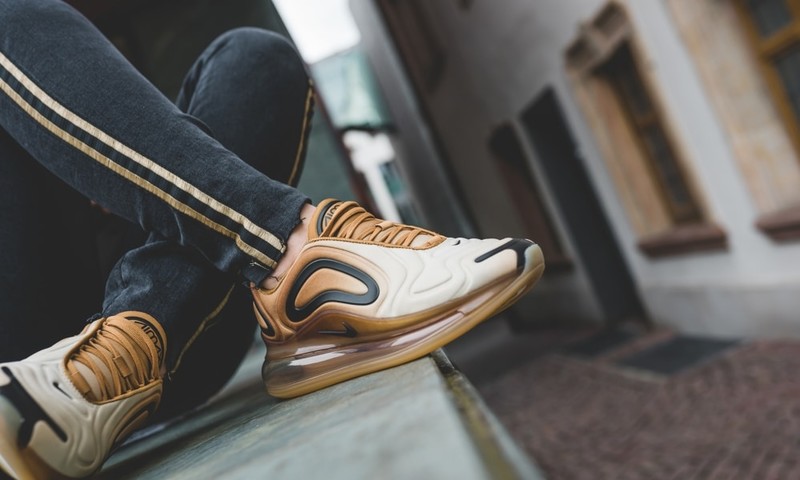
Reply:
x=652, y=147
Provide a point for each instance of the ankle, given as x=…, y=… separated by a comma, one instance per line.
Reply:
x=296, y=241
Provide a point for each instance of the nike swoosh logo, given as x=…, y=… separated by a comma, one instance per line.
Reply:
x=299, y=314
x=348, y=331
x=58, y=387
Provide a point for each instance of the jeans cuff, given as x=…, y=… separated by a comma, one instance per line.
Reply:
x=256, y=272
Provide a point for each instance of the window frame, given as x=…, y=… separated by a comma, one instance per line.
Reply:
x=767, y=52
x=692, y=211
x=599, y=42
x=659, y=233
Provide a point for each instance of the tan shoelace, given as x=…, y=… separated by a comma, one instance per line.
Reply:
x=120, y=356
x=351, y=221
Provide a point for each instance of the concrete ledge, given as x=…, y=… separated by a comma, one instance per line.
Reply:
x=421, y=420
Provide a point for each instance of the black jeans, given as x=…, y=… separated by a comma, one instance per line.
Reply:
x=206, y=180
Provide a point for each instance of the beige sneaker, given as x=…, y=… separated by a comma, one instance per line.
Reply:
x=366, y=294
x=63, y=409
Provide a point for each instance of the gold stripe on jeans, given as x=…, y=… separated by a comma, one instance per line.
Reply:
x=143, y=161
x=132, y=177
x=309, y=99
x=204, y=325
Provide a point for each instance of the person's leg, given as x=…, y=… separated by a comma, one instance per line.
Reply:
x=78, y=107
x=251, y=92
x=49, y=280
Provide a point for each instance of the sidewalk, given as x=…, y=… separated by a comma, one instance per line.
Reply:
x=655, y=406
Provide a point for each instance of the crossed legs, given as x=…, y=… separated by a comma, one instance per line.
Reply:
x=50, y=280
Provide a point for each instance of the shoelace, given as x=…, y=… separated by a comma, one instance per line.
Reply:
x=353, y=222
x=107, y=349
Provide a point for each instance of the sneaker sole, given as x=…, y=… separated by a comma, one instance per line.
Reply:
x=295, y=376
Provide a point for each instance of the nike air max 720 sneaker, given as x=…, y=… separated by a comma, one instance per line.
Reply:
x=63, y=409
x=367, y=294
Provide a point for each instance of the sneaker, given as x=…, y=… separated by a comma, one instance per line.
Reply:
x=63, y=409
x=367, y=294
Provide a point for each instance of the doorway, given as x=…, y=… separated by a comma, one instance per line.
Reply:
x=583, y=215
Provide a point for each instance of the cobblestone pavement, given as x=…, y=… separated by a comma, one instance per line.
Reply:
x=733, y=416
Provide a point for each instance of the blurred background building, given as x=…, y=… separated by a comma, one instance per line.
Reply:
x=650, y=146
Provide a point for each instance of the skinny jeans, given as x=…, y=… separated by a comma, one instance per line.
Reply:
x=205, y=183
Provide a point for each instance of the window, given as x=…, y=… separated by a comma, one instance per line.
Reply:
x=604, y=62
x=644, y=156
x=623, y=75
x=774, y=29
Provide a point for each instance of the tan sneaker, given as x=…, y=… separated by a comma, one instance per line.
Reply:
x=366, y=294
x=63, y=409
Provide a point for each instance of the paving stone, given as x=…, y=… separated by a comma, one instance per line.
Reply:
x=734, y=416
x=599, y=343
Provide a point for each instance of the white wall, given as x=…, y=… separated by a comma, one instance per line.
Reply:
x=751, y=288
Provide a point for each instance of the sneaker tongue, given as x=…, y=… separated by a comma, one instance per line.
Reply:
x=124, y=361
x=422, y=240
x=325, y=212
x=329, y=209
x=152, y=329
